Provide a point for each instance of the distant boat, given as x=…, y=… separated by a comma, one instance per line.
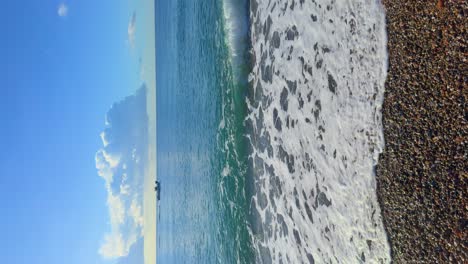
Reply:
x=157, y=189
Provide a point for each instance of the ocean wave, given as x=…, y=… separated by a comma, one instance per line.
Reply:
x=236, y=22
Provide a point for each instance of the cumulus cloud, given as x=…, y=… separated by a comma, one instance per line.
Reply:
x=120, y=162
x=62, y=10
x=113, y=246
x=131, y=31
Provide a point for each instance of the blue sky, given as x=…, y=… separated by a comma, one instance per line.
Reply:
x=62, y=69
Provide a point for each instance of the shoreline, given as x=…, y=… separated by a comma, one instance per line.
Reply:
x=421, y=175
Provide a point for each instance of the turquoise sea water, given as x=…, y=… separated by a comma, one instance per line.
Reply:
x=202, y=166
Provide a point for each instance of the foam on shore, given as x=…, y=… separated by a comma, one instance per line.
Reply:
x=316, y=131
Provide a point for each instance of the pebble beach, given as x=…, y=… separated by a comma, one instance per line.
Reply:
x=422, y=173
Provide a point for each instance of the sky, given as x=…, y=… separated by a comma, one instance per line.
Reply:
x=65, y=65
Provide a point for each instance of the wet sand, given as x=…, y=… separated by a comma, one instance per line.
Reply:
x=422, y=178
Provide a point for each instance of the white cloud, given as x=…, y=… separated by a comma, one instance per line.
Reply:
x=136, y=214
x=111, y=159
x=103, y=167
x=62, y=10
x=118, y=163
x=131, y=31
x=116, y=209
x=124, y=189
x=113, y=246
x=104, y=140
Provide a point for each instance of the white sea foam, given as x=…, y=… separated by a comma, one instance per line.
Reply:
x=315, y=118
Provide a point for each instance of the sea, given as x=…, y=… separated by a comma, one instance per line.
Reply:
x=269, y=130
